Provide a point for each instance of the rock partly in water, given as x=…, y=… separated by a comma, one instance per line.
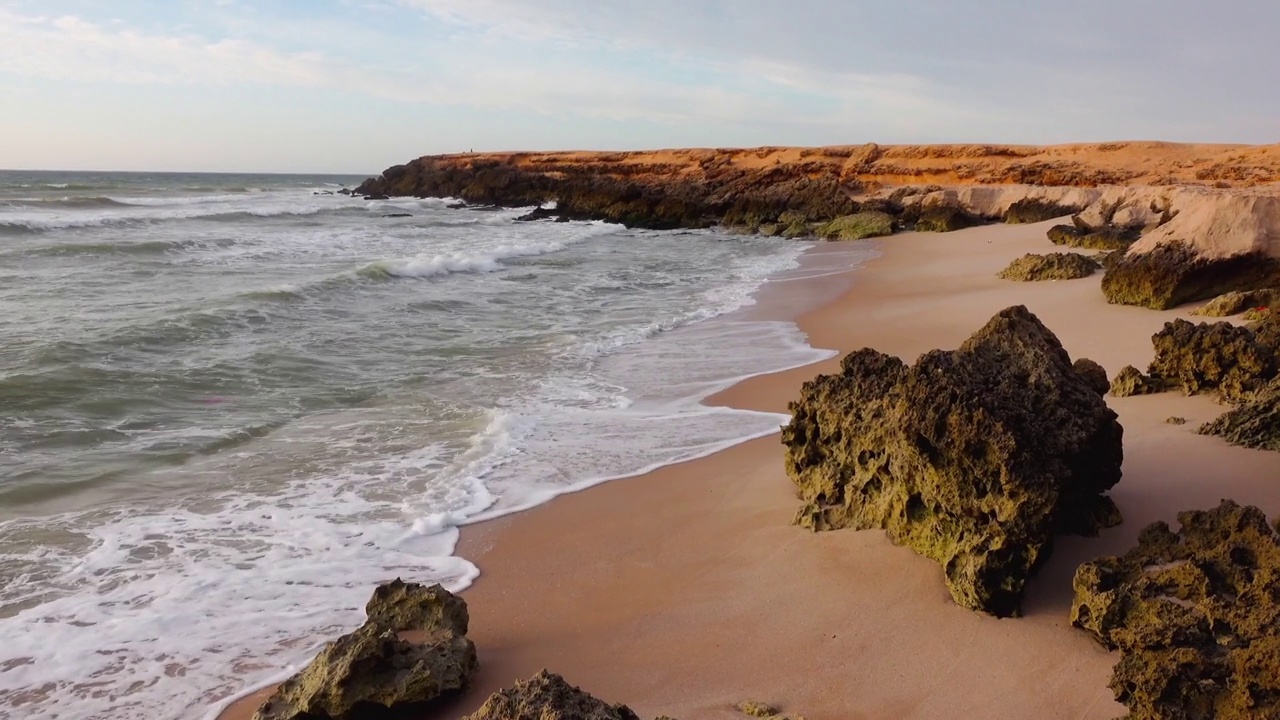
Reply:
x=1174, y=273
x=1054, y=266
x=1254, y=424
x=1234, y=303
x=1034, y=210
x=975, y=457
x=1212, y=356
x=1195, y=615
x=1094, y=374
x=372, y=673
x=1130, y=381
x=858, y=226
x=548, y=697
x=1106, y=238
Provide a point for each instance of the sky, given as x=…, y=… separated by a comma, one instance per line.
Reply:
x=352, y=86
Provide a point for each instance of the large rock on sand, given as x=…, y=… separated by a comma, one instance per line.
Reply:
x=372, y=673
x=548, y=697
x=975, y=457
x=1174, y=273
x=1212, y=356
x=1054, y=266
x=1195, y=615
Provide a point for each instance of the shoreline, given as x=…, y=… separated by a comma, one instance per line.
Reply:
x=686, y=590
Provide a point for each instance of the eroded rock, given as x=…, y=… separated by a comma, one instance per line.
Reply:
x=1254, y=424
x=1130, y=381
x=1212, y=356
x=1054, y=266
x=1034, y=210
x=372, y=673
x=1195, y=615
x=1174, y=273
x=548, y=696
x=975, y=457
x=1105, y=238
x=944, y=217
x=1093, y=373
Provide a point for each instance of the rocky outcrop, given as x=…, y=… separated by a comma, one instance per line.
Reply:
x=1106, y=238
x=1254, y=424
x=548, y=697
x=1034, y=210
x=1130, y=381
x=859, y=226
x=1212, y=356
x=1054, y=266
x=372, y=673
x=1234, y=303
x=975, y=457
x=1174, y=273
x=1093, y=373
x=1195, y=615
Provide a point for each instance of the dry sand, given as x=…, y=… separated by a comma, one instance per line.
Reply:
x=687, y=590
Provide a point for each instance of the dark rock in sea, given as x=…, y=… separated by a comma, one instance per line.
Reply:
x=1212, y=356
x=859, y=226
x=397, y=215
x=548, y=697
x=975, y=457
x=1254, y=424
x=1195, y=615
x=1105, y=238
x=322, y=192
x=944, y=217
x=539, y=213
x=1034, y=210
x=1054, y=266
x=1093, y=373
x=346, y=191
x=376, y=196
x=1174, y=273
x=1130, y=381
x=372, y=673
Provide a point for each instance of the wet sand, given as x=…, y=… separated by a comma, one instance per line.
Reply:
x=687, y=590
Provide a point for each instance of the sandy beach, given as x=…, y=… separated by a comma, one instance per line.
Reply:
x=687, y=590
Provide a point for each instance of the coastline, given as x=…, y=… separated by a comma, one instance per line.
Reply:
x=687, y=590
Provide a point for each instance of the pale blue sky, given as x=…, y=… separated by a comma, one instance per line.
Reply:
x=356, y=85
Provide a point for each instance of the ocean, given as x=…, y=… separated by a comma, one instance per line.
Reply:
x=230, y=405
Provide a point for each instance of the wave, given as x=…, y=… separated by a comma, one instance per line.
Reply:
x=147, y=247
x=489, y=261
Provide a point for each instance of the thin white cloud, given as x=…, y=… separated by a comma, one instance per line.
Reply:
x=70, y=48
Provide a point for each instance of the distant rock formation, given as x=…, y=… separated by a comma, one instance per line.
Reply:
x=975, y=458
x=1053, y=266
x=372, y=673
x=1195, y=615
x=547, y=696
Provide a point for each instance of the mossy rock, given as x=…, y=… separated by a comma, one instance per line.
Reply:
x=797, y=230
x=771, y=229
x=547, y=696
x=1256, y=314
x=1174, y=273
x=944, y=218
x=1212, y=356
x=858, y=226
x=1105, y=238
x=1254, y=424
x=975, y=458
x=1195, y=615
x=1054, y=266
x=1034, y=210
x=1236, y=302
x=1130, y=381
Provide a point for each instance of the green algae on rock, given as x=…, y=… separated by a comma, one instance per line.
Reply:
x=1212, y=356
x=1034, y=210
x=1195, y=615
x=859, y=226
x=1174, y=273
x=547, y=696
x=974, y=458
x=1130, y=381
x=1106, y=238
x=1254, y=424
x=1236, y=302
x=1054, y=266
x=944, y=217
x=372, y=673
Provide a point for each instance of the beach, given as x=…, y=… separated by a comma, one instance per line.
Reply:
x=688, y=590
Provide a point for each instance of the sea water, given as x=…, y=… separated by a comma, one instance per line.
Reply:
x=231, y=405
